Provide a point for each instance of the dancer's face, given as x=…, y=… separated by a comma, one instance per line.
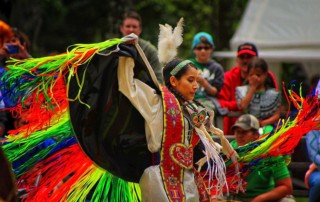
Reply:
x=187, y=85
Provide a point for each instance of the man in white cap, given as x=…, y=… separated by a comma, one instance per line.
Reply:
x=269, y=180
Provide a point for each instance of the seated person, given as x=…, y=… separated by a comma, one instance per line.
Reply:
x=211, y=73
x=312, y=177
x=260, y=97
x=269, y=180
x=237, y=76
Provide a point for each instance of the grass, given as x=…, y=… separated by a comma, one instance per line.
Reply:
x=302, y=199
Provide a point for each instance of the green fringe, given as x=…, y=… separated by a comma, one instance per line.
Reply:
x=42, y=73
x=17, y=147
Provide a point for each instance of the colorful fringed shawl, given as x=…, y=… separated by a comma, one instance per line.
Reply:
x=47, y=160
x=46, y=156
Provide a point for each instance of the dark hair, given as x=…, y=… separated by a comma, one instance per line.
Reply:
x=204, y=40
x=23, y=38
x=167, y=74
x=257, y=62
x=170, y=66
x=133, y=15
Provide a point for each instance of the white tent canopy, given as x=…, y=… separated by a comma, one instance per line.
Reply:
x=283, y=30
x=274, y=24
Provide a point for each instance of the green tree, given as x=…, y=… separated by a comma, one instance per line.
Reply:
x=220, y=18
x=53, y=25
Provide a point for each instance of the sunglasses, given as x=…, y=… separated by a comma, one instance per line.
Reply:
x=245, y=57
x=202, y=47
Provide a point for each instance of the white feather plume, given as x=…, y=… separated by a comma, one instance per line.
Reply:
x=169, y=41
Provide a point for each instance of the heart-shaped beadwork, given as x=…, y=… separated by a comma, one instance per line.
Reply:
x=182, y=155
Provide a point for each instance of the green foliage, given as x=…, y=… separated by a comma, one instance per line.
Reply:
x=220, y=18
x=53, y=25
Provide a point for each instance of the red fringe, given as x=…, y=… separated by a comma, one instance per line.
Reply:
x=306, y=120
x=34, y=110
x=59, y=171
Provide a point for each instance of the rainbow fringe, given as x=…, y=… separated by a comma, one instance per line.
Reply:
x=288, y=133
x=48, y=162
x=285, y=137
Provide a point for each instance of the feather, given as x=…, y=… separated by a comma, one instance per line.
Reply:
x=169, y=41
x=177, y=33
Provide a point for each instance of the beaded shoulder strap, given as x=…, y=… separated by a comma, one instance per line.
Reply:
x=173, y=134
x=176, y=156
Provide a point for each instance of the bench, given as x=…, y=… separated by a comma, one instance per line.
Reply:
x=298, y=167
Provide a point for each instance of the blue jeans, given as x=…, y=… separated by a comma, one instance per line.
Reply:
x=314, y=184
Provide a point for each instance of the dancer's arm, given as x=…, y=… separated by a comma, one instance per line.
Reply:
x=144, y=99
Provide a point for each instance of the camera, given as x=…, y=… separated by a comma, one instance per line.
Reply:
x=12, y=49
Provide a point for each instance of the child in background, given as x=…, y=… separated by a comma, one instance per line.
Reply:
x=260, y=97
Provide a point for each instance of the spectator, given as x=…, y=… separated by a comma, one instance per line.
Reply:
x=237, y=76
x=21, y=40
x=211, y=73
x=269, y=180
x=16, y=45
x=132, y=23
x=312, y=176
x=259, y=97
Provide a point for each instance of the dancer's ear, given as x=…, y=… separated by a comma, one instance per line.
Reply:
x=173, y=81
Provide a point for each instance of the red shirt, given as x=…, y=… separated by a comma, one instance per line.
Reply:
x=227, y=96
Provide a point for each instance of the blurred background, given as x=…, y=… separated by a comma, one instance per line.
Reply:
x=286, y=32
x=53, y=25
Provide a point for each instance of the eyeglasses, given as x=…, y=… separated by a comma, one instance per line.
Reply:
x=245, y=56
x=199, y=48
